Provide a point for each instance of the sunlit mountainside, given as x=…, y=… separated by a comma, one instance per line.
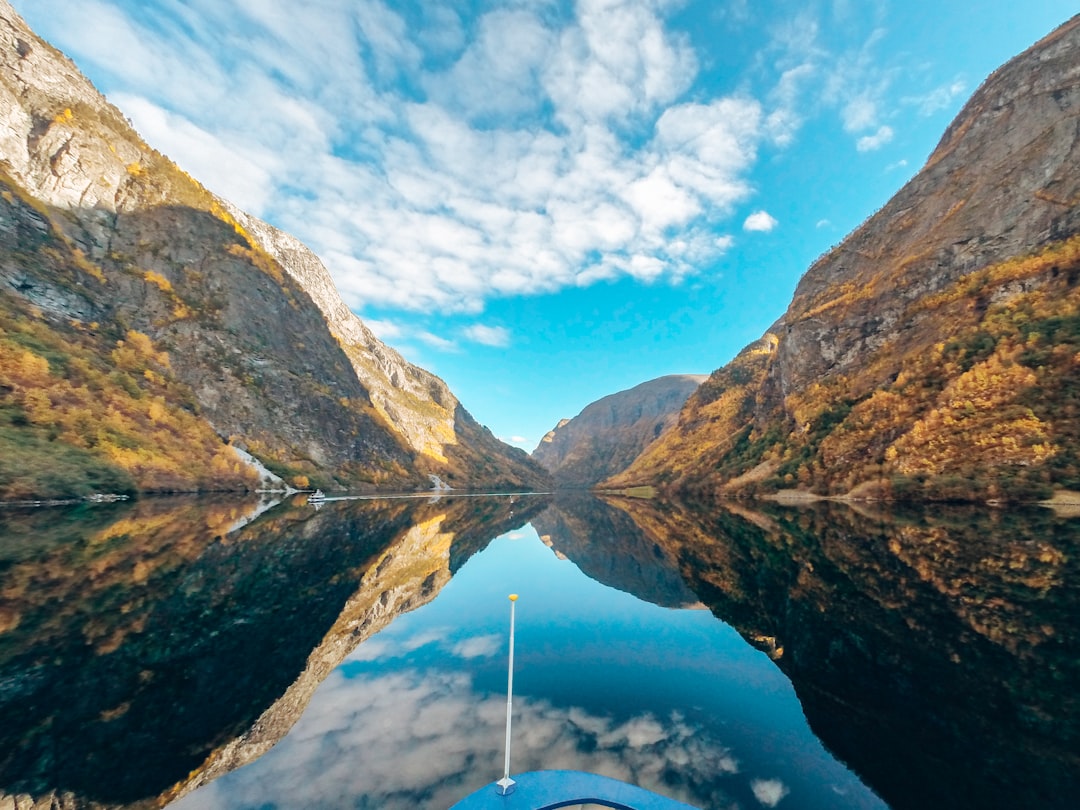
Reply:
x=935, y=353
x=149, y=330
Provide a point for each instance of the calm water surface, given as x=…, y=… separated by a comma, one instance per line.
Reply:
x=355, y=657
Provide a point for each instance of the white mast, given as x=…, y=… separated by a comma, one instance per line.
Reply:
x=506, y=784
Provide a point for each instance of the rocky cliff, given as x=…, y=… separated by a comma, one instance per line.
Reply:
x=608, y=434
x=135, y=306
x=936, y=352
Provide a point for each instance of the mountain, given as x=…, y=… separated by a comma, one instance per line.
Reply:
x=611, y=432
x=888, y=624
x=152, y=335
x=935, y=353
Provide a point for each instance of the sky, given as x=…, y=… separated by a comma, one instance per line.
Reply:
x=548, y=202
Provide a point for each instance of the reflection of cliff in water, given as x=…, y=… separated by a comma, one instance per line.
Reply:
x=936, y=652
x=611, y=549
x=141, y=649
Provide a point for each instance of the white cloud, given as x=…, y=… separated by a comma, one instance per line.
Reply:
x=769, y=791
x=823, y=223
x=436, y=342
x=858, y=114
x=478, y=647
x=519, y=440
x=938, y=99
x=384, y=330
x=851, y=81
x=760, y=221
x=242, y=177
x=533, y=150
x=498, y=336
x=868, y=143
x=499, y=72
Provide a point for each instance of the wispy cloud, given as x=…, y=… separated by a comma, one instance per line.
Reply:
x=384, y=330
x=938, y=99
x=852, y=80
x=478, y=647
x=760, y=221
x=869, y=143
x=437, y=342
x=497, y=336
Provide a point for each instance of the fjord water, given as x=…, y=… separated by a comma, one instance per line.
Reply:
x=804, y=658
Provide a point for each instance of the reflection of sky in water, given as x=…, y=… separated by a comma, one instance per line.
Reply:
x=674, y=701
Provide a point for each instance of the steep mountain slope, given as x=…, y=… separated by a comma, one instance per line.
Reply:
x=220, y=322
x=448, y=441
x=609, y=433
x=936, y=352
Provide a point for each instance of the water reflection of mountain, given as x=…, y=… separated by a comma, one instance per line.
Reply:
x=936, y=652
x=610, y=548
x=156, y=644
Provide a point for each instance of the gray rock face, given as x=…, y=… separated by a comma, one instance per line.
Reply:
x=611, y=432
x=398, y=389
x=1002, y=182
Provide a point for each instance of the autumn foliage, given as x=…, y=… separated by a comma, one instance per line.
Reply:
x=76, y=418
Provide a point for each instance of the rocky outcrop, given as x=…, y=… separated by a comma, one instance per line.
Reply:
x=111, y=234
x=609, y=433
x=932, y=354
x=398, y=389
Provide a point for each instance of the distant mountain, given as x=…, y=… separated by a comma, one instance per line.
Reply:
x=611, y=432
x=149, y=330
x=936, y=352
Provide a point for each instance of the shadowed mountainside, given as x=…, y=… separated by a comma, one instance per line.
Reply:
x=609, y=548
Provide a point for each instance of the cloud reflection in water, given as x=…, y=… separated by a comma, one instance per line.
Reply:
x=410, y=739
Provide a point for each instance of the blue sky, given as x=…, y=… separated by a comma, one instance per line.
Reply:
x=547, y=202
